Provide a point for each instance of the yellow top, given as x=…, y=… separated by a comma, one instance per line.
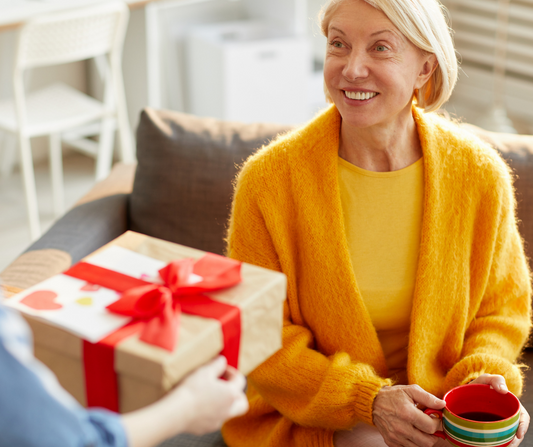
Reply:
x=471, y=303
x=383, y=218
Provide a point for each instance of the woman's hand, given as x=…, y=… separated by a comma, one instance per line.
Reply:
x=199, y=404
x=498, y=383
x=214, y=394
x=398, y=419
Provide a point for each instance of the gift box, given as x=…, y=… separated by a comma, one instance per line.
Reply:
x=75, y=331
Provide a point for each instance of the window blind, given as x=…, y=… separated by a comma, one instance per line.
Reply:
x=494, y=38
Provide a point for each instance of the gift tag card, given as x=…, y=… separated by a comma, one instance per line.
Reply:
x=65, y=302
x=128, y=263
x=80, y=307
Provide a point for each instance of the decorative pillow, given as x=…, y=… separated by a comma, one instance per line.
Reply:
x=184, y=180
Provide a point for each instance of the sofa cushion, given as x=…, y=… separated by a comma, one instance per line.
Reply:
x=517, y=150
x=184, y=179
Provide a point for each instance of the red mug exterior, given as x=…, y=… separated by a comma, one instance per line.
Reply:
x=464, y=432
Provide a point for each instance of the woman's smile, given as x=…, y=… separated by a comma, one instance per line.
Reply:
x=359, y=95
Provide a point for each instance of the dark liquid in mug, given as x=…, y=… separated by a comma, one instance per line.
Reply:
x=481, y=416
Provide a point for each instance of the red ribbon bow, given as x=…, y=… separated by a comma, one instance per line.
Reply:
x=156, y=310
x=160, y=305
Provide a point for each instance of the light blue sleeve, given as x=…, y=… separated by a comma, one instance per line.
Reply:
x=34, y=410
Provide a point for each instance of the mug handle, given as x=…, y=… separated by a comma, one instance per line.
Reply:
x=428, y=411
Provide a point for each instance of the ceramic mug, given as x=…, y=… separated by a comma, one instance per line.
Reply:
x=477, y=415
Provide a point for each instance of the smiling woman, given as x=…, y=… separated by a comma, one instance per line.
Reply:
x=397, y=232
x=370, y=72
x=426, y=30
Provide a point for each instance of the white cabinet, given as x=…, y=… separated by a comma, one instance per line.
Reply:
x=248, y=71
x=155, y=59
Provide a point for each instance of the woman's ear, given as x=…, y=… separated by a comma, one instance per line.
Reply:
x=429, y=66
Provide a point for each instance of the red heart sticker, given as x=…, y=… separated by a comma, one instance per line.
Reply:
x=41, y=300
x=88, y=287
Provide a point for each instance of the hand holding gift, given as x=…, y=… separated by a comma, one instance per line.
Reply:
x=200, y=404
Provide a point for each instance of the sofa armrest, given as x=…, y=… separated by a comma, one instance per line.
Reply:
x=119, y=181
x=98, y=217
x=33, y=267
x=77, y=234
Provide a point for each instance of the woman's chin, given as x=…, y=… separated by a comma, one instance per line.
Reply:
x=359, y=120
x=367, y=117
x=358, y=114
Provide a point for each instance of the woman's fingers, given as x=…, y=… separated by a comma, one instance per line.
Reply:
x=420, y=396
x=235, y=377
x=420, y=420
x=425, y=423
x=522, y=426
x=239, y=407
x=216, y=367
x=496, y=381
x=238, y=381
x=420, y=440
x=402, y=433
x=399, y=421
x=212, y=400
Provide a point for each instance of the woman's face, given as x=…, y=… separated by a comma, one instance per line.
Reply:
x=371, y=70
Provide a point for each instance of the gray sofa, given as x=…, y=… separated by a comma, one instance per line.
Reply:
x=181, y=191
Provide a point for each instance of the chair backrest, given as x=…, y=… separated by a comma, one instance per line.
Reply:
x=72, y=35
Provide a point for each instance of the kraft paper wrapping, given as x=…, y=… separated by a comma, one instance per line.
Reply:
x=146, y=372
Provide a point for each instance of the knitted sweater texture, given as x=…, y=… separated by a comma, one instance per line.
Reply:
x=471, y=305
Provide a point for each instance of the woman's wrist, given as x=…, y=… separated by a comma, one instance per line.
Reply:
x=153, y=424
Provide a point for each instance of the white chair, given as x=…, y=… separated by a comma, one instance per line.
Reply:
x=64, y=113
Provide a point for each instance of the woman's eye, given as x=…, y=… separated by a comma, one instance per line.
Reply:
x=381, y=48
x=336, y=44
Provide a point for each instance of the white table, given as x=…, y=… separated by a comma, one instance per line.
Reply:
x=15, y=12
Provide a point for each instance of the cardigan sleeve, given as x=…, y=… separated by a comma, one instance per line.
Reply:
x=501, y=322
x=305, y=386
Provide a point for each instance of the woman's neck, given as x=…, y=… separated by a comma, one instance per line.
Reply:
x=387, y=148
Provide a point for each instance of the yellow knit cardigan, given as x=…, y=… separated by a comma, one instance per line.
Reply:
x=471, y=307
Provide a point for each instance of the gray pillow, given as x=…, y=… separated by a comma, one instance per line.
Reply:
x=183, y=183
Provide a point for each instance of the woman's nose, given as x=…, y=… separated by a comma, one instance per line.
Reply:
x=356, y=66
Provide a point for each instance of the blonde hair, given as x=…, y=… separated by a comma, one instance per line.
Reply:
x=423, y=22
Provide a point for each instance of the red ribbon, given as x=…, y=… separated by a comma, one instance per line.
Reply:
x=156, y=311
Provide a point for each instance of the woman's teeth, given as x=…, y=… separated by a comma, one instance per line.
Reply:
x=360, y=95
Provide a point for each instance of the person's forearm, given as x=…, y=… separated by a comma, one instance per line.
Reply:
x=199, y=404
x=153, y=424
